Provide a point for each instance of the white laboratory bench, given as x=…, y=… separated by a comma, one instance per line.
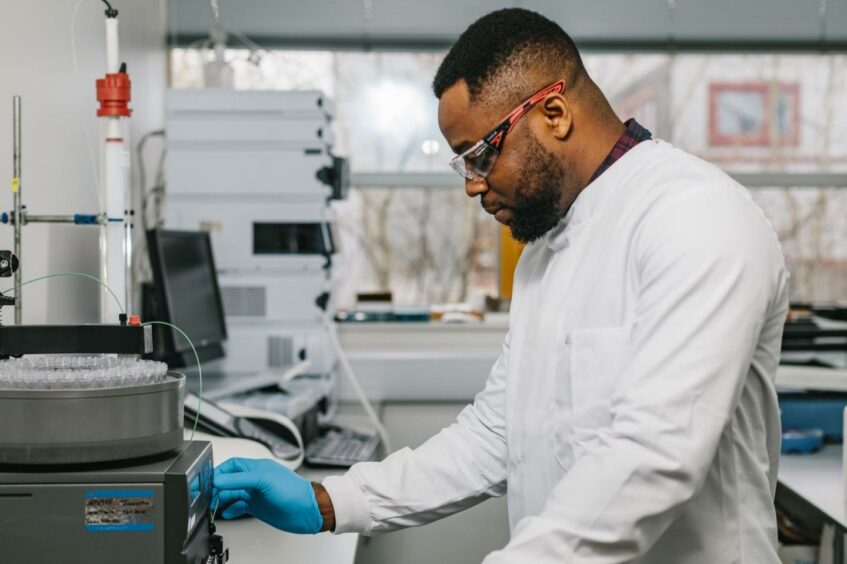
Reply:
x=422, y=361
x=812, y=487
x=450, y=362
x=252, y=542
x=819, y=479
x=812, y=378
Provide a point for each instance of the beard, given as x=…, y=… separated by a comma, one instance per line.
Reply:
x=543, y=199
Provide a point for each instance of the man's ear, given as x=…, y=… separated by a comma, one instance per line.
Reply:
x=557, y=115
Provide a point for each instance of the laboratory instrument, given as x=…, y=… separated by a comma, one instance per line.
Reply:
x=58, y=414
x=145, y=511
x=255, y=169
x=93, y=465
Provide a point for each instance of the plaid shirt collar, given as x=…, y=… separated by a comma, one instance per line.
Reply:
x=632, y=136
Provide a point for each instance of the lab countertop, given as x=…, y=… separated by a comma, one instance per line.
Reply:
x=811, y=378
x=252, y=542
x=819, y=479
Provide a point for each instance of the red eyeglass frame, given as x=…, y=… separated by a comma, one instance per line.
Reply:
x=495, y=138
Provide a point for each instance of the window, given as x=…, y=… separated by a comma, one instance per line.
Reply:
x=811, y=226
x=770, y=117
x=428, y=245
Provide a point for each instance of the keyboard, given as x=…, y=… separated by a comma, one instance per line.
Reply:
x=342, y=447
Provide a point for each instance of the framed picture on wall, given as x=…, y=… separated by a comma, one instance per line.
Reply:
x=755, y=114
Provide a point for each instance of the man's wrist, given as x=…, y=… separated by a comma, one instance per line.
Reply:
x=325, y=507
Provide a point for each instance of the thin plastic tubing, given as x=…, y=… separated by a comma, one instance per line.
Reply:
x=78, y=275
x=199, y=368
x=357, y=387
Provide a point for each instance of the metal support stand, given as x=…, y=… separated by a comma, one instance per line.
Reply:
x=16, y=195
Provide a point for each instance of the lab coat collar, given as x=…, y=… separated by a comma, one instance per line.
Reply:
x=594, y=196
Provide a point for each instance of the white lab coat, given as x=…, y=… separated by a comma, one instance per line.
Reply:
x=632, y=415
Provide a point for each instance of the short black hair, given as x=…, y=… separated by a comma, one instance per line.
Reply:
x=501, y=45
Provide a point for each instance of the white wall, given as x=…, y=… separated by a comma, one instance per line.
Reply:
x=35, y=61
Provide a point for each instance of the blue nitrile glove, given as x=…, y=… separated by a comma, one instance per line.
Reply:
x=269, y=491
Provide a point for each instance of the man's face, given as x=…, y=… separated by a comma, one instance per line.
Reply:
x=526, y=187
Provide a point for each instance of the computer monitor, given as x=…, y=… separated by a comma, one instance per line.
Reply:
x=185, y=293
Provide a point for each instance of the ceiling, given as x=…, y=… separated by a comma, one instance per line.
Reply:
x=594, y=24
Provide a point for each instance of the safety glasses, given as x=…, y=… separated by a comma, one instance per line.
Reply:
x=475, y=163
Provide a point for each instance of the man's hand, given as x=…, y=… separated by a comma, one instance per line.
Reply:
x=269, y=491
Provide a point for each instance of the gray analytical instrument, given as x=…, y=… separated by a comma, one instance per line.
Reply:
x=155, y=510
x=255, y=170
x=93, y=466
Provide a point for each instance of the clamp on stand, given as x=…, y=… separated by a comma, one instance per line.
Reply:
x=8, y=266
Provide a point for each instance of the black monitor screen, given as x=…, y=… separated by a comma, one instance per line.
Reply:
x=292, y=239
x=187, y=286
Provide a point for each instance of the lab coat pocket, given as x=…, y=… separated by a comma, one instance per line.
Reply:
x=596, y=359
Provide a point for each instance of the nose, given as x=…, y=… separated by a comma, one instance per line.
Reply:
x=475, y=187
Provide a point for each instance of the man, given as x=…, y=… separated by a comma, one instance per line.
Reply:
x=632, y=415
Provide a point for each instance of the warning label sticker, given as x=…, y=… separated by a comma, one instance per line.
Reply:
x=119, y=510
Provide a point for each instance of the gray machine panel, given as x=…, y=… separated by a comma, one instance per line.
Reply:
x=230, y=223
x=47, y=523
x=303, y=134
x=228, y=169
x=279, y=295
x=148, y=513
x=254, y=346
x=246, y=167
x=244, y=142
x=287, y=104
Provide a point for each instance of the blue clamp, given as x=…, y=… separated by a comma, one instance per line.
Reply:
x=85, y=219
x=4, y=218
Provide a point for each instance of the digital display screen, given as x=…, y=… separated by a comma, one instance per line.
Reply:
x=291, y=239
x=191, y=285
x=194, y=490
x=199, y=491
